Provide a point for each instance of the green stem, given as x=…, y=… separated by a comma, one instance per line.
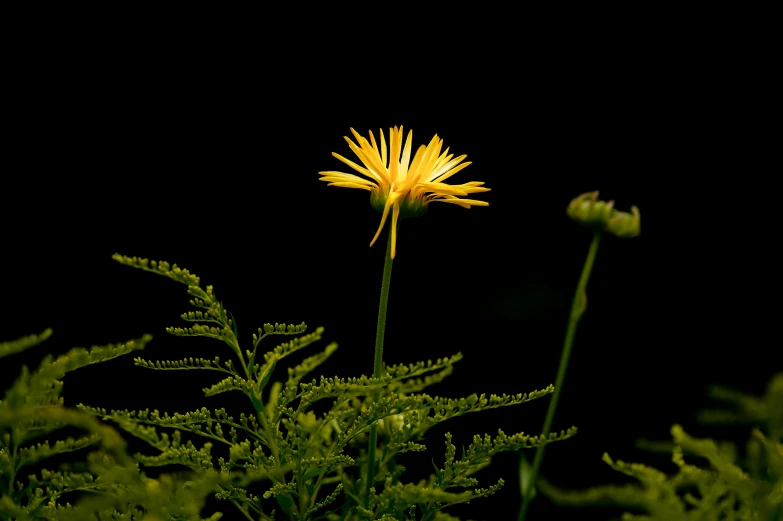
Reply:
x=239, y=507
x=14, y=442
x=578, y=307
x=378, y=366
x=269, y=431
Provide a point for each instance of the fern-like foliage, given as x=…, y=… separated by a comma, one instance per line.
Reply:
x=765, y=411
x=726, y=488
x=20, y=344
x=300, y=451
x=109, y=480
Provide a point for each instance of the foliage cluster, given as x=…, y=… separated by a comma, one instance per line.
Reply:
x=107, y=483
x=299, y=453
x=713, y=480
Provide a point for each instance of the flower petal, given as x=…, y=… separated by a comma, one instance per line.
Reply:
x=430, y=158
x=465, y=203
x=389, y=202
x=343, y=177
x=360, y=169
x=406, y=156
x=383, y=151
x=394, y=150
x=346, y=184
x=449, y=169
x=414, y=173
x=395, y=217
x=443, y=188
x=371, y=160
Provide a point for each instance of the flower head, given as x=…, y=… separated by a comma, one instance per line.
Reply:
x=588, y=210
x=400, y=185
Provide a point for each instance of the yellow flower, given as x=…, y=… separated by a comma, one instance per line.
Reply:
x=398, y=184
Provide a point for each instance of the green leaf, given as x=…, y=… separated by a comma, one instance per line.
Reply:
x=438, y=472
x=285, y=502
x=311, y=473
x=525, y=475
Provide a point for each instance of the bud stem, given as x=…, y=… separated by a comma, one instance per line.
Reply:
x=378, y=365
x=578, y=307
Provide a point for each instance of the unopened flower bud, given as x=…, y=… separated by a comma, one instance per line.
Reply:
x=597, y=215
x=589, y=211
x=624, y=224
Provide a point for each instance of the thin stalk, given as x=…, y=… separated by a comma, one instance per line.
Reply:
x=378, y=366
x=261, y=413
x=15, y=442
x=578, y=307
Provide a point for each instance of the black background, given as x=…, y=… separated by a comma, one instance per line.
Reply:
x=204, y=152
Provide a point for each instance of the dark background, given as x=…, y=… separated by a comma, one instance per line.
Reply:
x=206, y=154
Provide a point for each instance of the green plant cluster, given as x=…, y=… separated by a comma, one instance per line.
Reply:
x=298, y=453
x=106, y=484
x=714, y=481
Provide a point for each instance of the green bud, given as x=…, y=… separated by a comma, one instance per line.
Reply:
x=597, y=215
x=624, y=224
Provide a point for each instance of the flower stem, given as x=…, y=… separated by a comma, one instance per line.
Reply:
x=378, y=366
x=578, y=307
